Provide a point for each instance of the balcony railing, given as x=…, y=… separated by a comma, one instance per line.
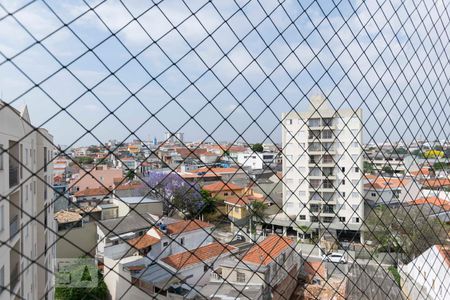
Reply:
x=13, y=176
x=14, y=227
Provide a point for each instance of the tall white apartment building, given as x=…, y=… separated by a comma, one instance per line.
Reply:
x=322, y=168
x=27, y=226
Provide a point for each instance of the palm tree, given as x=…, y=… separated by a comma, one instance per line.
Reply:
x=256, y=209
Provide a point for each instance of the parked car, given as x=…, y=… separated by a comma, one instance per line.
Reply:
x=335, y=258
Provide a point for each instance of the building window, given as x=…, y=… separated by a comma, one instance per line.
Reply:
x=343, y=169
x=356, y=169
x=342, y=219
x=2, y=217
x=1, y=157
x=302, y=217
x=373, y=194
x=343, y=182
x=2, y=278
x=240, y=277
x=182, y=241
x=314, y=218
x=116, y=242
x=343, y=194
x=165, y=244
x=355, y=220
x=205, y=268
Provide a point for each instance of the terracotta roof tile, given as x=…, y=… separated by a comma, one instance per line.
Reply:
x=143, y=242
x=438, y=182
x=192, y=257
x=92, y=192
x=432, y=201
x=266, y=251
x=186, y=226
x=222, y=186
x=215, y=170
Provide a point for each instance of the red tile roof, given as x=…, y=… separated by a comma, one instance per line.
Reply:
x=184, y=226
x=432, y=201
x=423, y=171
x=222, y=186
x=92, y=192
x=269, y=249
x=199, y=255
x=215, y=170
x=143, y=242
x=435, y=183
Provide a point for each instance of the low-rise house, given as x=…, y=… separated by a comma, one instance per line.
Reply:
x=227, y=174
x=433, y=207
x=137, y=204
x=76, y=232
x=379, y=190
x=117, y=237
x=256, y=160
x=427, y=276
x=272, y=266
x=224, y=190
x=100, y=176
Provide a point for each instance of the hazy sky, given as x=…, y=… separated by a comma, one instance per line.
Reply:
x=188, y=66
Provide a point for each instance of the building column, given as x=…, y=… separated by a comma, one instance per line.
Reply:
x=284, y=231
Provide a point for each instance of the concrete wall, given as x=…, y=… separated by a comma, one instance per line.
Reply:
x=85, y=239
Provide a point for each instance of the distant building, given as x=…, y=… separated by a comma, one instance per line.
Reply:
x=256, y=160
x=100, y=176
x=174, y=138
x=322, y=168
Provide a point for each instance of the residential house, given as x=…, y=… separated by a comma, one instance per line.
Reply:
x=270, y=268
x=100, y=176
x=427, y=276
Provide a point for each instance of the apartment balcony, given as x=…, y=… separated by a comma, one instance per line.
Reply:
x=317, y=124
x=14, y=227
x=14, y=278
x=13, y=176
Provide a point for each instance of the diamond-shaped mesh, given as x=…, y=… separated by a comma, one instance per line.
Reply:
x=225, y=149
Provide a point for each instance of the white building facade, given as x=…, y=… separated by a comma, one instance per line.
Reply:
x=322, y=167
x=26, y=208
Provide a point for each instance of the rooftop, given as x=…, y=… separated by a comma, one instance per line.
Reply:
x=130, y=223
x=65, y=216
x=222, y=186
x=266, y=251
x=435, y=201
x=143, y=241
x=199, y=255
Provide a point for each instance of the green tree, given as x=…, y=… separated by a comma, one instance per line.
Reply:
x=130, y=175
x=388, y=170
x=400, y=150
x=368, y=167
x=440, y=166
x=78, y=289
x=256, y=212
x=258, y=147
x=403, y=230
x=84, y=160
x=417, y=153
